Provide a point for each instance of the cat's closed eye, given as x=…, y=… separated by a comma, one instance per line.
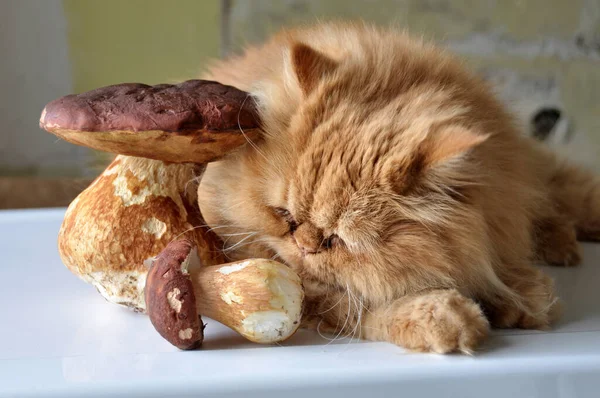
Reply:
x=287, y=216
x=332, y=241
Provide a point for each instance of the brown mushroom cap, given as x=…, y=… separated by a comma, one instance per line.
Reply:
x=170, y=300
x=194, y=121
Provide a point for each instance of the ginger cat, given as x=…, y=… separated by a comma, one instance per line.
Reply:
x=398, y=187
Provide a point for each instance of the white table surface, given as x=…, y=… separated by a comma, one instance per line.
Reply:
x=59, y=338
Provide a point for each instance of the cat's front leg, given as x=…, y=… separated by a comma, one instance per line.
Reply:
x=440, y=321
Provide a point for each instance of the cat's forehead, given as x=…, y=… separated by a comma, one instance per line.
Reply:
x=353, y=140
x=345, y=151
x=329, y=174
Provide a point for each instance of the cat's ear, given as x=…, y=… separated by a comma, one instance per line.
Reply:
x=442, y=154
x=451, y=143
x=310, y=66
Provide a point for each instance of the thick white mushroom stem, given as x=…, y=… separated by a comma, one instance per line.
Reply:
x=260, y=299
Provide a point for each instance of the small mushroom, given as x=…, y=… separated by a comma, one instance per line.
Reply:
x=260, y=299
x=170, y=299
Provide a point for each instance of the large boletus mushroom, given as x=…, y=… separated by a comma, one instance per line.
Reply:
x=139, y=204
x=141, y=213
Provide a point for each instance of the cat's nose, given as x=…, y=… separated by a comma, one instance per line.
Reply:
x=308, y=239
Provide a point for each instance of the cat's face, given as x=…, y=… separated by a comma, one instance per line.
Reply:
x=354, y=192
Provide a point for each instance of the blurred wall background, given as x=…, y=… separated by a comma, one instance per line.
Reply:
x=543, y=57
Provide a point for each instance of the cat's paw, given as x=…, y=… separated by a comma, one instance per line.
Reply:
x=537, y=308
x=589, y=231
x=442, y=322
x=557, y=244
x=562, y=253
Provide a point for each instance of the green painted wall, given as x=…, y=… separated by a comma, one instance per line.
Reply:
x=147, y=41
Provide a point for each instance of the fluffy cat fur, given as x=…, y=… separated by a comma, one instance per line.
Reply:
x=398, y=187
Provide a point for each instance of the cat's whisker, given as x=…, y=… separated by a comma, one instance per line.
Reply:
x=188, y=230
x=194, y=180
x=359, y=321
x=229, y=252
x=229, y=248
x=355, y=301
x=358, y=328
x=364, y=307
x=200, y=226
x=333, y=306
x=220, y=227
x=341, y=330
x=252, y=144
x=351, y=296
x=246, y=243
x=371, y=327
x=337, y=336
x=229, y=236
x=321, y=334
x=238, y=246
x=237, y=234
x=235, y=204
